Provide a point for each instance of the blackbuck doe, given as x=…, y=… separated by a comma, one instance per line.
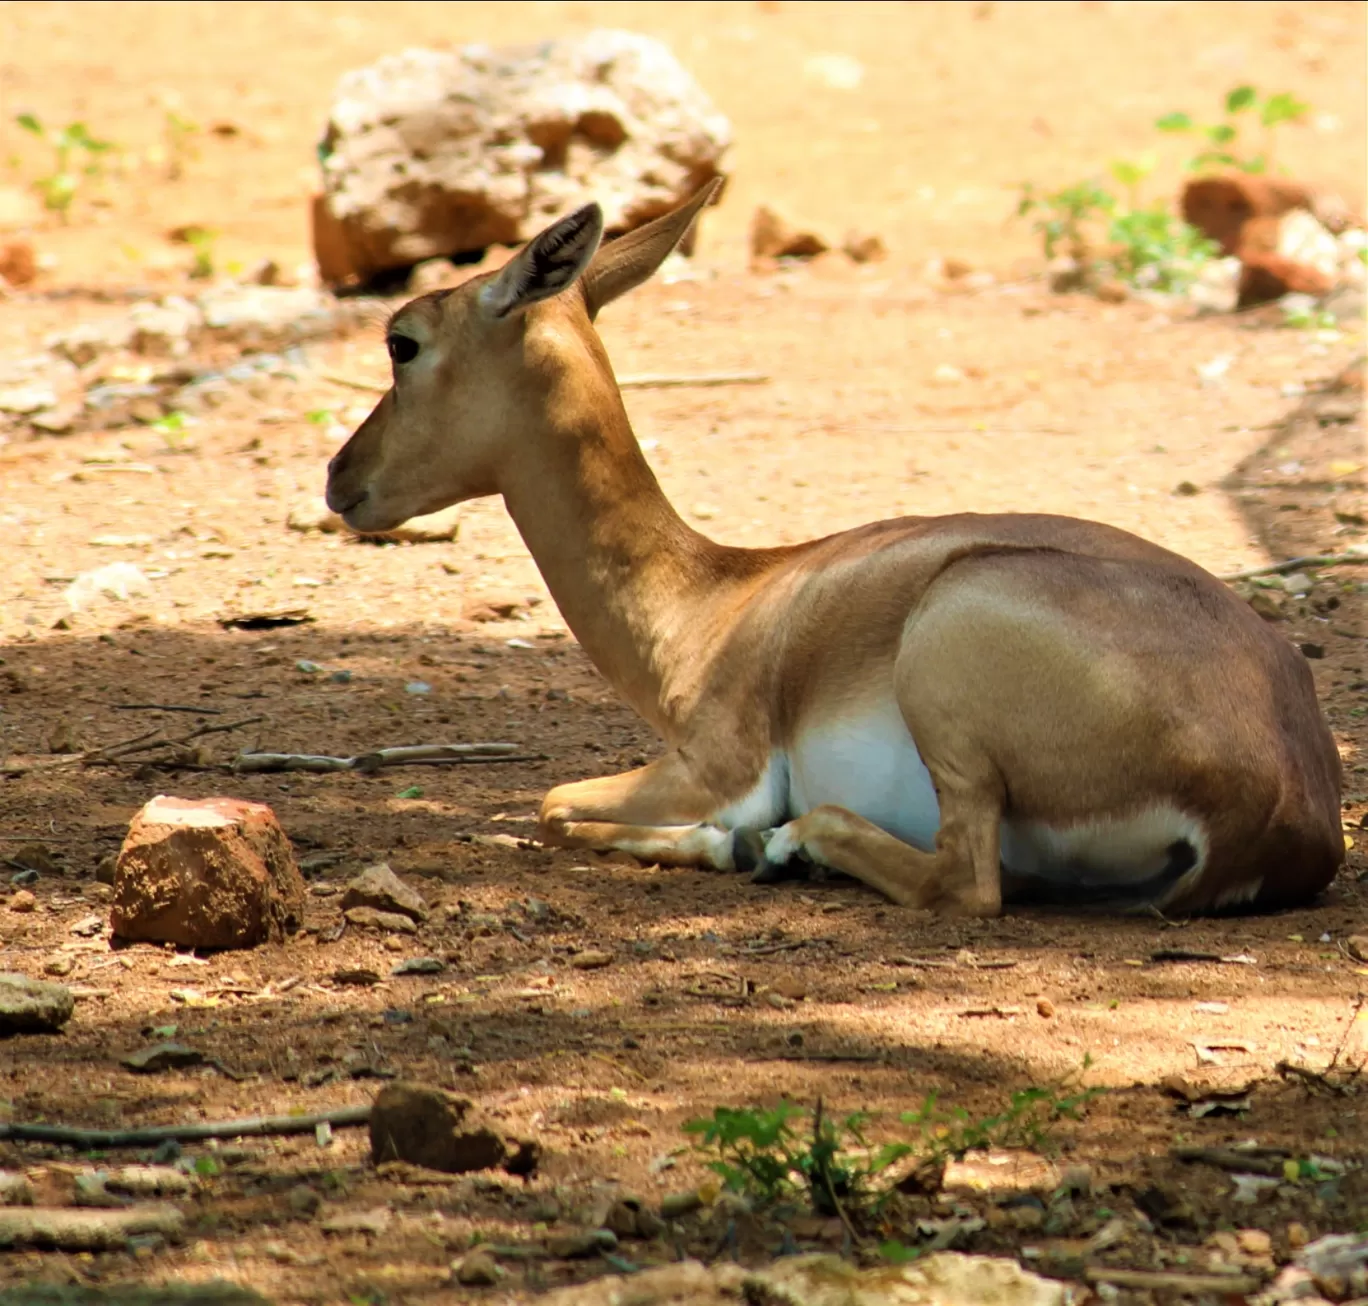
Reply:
x=954, y=710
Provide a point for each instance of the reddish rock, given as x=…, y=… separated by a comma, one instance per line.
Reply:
x=1265, y=277
x=18, y=263
x=212, y=873
x=773, y=237
x=1220, y=207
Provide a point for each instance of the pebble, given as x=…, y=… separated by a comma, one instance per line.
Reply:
x=1045, y=1008
x=589, y=959
x=477, y=1269
x=23, y=901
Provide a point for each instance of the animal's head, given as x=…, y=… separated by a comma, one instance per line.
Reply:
x=477, y=370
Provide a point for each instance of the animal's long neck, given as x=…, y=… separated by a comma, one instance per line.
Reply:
x=632, y=580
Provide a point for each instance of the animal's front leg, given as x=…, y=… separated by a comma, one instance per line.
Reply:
x=658, y=813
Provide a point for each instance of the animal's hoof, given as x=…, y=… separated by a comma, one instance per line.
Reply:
x=747, y=850
x=796, y=868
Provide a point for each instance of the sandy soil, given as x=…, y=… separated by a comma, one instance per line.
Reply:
x=887, y=394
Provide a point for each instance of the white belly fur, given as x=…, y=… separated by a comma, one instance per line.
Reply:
x=869, y=764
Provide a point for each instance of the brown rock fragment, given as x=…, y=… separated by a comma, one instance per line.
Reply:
x=433, y=1128
x=211, y=873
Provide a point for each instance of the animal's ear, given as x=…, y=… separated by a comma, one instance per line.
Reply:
x=546, y=265
x=631, y=259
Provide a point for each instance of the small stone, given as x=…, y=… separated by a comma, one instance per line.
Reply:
x=15, y=1189
x=774, y=237
x=862, y=247
x=790, y=987
x=59, y=966
x=477, y=1269
x=433, y=1128
x=33, y=1006
x=378, y=886
x=394, y=944
x=1266, y=605
x=56, y=421
x=589, y=959
x=622, y=1217
x=1186, y=489
x=1358, y=947
x=23, y=901
x=368, y=918
x=1297, y=583
x=359, y=976
x=23, y=400
x=162, y=1056
x=589, y=1242
x=104, y=871
x=88, y=927
x=303, y=1200
x=420, y=966
x=778, y=1001
x=37, y=857
x=1045, y=1008
x=374, y=1222
x=1312, y=651
x=674, y=1205
x=1254, y=1242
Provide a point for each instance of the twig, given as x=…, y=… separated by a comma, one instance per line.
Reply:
x=166, y=707
x=1290, y=1070
x=644, y=381
x=1264, y=1161
x=1291, y=564
x=408, y=755
x=669, y=381
x=251, y=1126
x=825, y=1168
x=374, y=387
x=1172, y=1280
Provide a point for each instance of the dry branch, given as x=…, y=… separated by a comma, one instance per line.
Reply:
x=250, y=1126
x=79, y=1230
x=645, y=381
x=1172, y=1280
x=409, y=755
x=1291, y=564
x=669, y=381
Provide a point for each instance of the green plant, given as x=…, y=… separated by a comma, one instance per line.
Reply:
x=71, y=143
x=1065, y=216
x=201, y=241
x=179, y=134
x=781, y=1154
x=1221, y=144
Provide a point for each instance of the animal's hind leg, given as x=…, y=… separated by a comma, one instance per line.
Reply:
x=961, y=876
x=658, y=813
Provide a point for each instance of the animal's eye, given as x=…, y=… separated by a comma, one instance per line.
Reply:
x=402, y=349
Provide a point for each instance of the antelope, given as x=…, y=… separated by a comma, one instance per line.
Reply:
x=957, y=711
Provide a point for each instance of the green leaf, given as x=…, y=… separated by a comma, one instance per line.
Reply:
x=1221, y=134
x=206, y=1167
x=1283, y=107
x=413, y=791
x=1174, y=122
x=1238, y=100
x=897, y=1253
x=320, y=416
x=29, y=123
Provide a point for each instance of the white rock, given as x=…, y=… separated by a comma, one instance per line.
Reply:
x=26, y=399
x=431, y=153
x=116, y=580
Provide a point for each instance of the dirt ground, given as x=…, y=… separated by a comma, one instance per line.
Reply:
x=887, y=394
